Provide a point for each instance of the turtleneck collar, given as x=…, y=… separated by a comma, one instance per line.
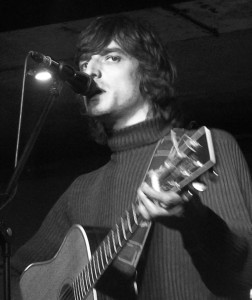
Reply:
x=144, y=133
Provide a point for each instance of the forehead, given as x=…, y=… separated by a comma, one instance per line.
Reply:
x=113, y=44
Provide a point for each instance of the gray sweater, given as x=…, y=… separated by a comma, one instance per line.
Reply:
x=201, y=258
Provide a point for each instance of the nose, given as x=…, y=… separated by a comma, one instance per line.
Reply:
x=93, y=68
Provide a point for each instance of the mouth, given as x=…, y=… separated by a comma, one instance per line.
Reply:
x=100, y=91
x=96, y=93
x=93, y=89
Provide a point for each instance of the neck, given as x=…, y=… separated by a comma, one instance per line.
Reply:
x=139, y=115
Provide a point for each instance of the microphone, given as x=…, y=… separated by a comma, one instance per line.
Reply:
x=80, y=82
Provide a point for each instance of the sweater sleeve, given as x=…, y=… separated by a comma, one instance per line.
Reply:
x=217, y=229
x=37, y=249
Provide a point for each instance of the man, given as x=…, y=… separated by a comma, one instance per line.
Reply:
x=199, y=247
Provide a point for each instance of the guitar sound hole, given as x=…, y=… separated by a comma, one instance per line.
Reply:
x=66, y=292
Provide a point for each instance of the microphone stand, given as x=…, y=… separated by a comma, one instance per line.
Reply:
x=6, y=232
x=5, y=237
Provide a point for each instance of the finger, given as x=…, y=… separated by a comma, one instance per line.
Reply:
x=165, y=198
x=150, y=208
x=143, y=211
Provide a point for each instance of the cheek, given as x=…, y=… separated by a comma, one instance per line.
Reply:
x=126, y=83
x=127, y=90
x=136, y=80
x=133, y=80
x=135, y=85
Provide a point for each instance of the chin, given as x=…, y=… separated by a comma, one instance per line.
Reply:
x=96, y=112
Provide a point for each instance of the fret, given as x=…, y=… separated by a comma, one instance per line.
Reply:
x=126, y=224
x=109, y=247
x=91, y=273
x=123, y=229
x=78, y=287
x=95, y=271
x=128, y=221
x=118, y=235
x=134, y=214
x=84, y=283
x=105, y=252
x=82, y=292
x=97, y=261
x=113, y=241
x=87, y=277
x=101, y=257
x=74, y=290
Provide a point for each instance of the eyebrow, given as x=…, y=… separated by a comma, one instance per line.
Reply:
x=114, y=49
x=87, y=56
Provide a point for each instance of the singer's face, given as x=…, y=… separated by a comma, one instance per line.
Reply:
x=116, y=73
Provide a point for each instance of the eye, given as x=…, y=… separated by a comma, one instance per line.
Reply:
x=83, y=65
x=113, y=58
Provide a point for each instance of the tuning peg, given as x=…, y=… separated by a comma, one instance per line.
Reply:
x=213, y=175
x=199, y=186
x=212, y=170
x=192, y=144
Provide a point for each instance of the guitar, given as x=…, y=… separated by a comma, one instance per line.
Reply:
x=73, y=273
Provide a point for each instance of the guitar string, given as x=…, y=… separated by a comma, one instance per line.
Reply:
x=80, y=293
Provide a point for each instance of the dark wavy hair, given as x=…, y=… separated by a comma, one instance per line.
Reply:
x=139, y=39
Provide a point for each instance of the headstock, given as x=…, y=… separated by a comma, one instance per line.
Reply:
x=189, y=158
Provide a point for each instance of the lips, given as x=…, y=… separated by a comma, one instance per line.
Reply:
x=93, y=89
x=98, y=92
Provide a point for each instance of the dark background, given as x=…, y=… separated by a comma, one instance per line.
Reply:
x=209, y=41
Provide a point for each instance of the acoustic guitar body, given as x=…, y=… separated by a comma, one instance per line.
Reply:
x=52, y=280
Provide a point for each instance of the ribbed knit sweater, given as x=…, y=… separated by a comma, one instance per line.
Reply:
x=205, y=258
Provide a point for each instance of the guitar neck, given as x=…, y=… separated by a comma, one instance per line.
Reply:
x=104, y=255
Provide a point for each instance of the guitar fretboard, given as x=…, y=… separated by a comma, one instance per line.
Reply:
x=106, y=252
